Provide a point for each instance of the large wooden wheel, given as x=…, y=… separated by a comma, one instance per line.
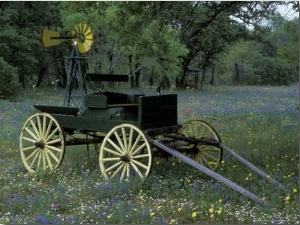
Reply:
x=42, y=143
x=125, y=150
x=207, y=155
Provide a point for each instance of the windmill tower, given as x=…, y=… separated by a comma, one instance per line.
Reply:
x=82, y=40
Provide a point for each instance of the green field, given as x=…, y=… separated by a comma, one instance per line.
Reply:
x=259, y=123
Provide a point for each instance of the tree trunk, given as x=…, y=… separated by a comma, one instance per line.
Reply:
x=22, y=80
x=42, y=72
x=212, y=77
x=236, y=76
x=203, y=77
x=137, y=76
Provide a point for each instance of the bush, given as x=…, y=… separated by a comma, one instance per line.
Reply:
x=9, y=85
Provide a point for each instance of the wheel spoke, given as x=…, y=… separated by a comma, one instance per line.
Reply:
x=54, y=141
x=113, y=166
x=48, y=159
x=51, y=135
x=41, y=135
x=119, y=141
x=32, y=154
x=136, y=169
x=118, y=170
x=139, y=164
x=29, y=148
x=44, y=160
x=54, y=148
x=124, y=171
x=140, y=156
x=48, y=151
x=31, y=134
x=110, y=159
x=35, y=130
x=209, y=156
x=115, y=146
x=135, y=143
x=124, y=140
x=44, y=125
x=29, y=139
x=48, y=129
x=139, y=149
x=34, y=159
x=112, y=151
x=130, y=140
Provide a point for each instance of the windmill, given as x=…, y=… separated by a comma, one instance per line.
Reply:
x=82, y=40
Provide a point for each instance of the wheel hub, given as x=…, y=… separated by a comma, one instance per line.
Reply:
x=125, y=158
x=40, y=144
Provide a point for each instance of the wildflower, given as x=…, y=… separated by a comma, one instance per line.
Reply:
x=108, y=216
x=194, y=214
x=152, y=214
x=159, y=206
x=211, y=210
x=172, y=221
x=295, y=190
x=55, y=206
x=287, y=198
x=179, y=209
x=219, y=211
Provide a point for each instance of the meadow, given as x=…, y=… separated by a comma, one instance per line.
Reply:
x=259, y=123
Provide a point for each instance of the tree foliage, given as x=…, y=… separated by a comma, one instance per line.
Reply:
x=156, y=40
x=271, y=60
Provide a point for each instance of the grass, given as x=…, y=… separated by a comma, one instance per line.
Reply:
x=260, y=123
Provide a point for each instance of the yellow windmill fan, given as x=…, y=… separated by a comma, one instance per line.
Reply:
x=82, y=34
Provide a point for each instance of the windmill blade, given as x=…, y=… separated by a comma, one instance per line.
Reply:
x=50, y=38
x=82, y=34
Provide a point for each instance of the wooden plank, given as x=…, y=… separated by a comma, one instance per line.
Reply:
x=121, y=105
x=57, y=109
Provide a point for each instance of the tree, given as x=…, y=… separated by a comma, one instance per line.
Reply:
x=22, y=22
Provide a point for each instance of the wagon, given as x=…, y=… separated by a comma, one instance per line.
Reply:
x=131, y=129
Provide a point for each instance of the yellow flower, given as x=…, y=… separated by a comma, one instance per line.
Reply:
x=158, y=207
x=211, y=215
x=211, y=210
x=287, y=198
x=194, y=214
x=172, y=221
x=108, y=217
x=220, y=200
x=152, y=214
x=295, y=190
x=219, y=211
x=179, y=209
x=222, y=162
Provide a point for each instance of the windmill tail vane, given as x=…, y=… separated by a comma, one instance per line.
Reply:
x=82, y=35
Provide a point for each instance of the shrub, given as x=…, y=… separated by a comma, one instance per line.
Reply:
x=9, y=85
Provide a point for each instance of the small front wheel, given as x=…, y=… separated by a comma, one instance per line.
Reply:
x=42, y=143
x=125, y=150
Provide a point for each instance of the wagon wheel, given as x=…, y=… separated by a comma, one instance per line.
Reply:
x=207, y=155
x=125, y=150
x=42, y=143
